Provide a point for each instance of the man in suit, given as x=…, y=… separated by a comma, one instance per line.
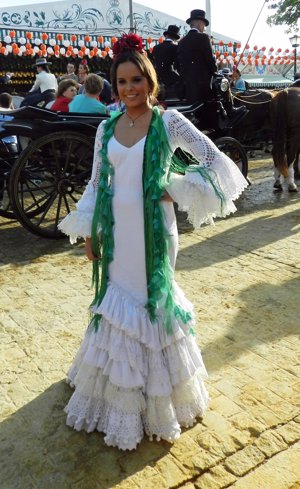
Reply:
x=198, y=65
x=197, y=62
x=166, y=62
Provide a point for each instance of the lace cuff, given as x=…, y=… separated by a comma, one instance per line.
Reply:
x=78, y=224
x=197, y=197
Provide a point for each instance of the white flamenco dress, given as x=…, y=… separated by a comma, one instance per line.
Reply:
x=131, y=376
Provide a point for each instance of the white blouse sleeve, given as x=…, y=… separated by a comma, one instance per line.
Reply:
x=191, y=191
x=78, y=224
x=37, y=84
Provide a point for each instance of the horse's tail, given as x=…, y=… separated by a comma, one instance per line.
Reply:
x=279, y=127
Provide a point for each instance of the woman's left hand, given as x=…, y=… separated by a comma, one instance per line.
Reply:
x=167, y=197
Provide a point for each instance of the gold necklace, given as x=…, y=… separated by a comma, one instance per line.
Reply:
x=132, y=121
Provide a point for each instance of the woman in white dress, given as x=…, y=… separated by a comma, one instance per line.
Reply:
x=139, y=368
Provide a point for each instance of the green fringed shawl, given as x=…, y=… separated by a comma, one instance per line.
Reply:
x=158, y=162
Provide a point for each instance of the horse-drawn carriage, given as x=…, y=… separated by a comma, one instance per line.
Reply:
x=43, y=180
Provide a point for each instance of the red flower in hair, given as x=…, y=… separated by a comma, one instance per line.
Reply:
x=83, y=62
x=128, y=42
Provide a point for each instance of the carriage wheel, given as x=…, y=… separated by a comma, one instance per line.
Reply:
x=232, y=148
x=5, y=203
x=48, y=179
x=7, y=159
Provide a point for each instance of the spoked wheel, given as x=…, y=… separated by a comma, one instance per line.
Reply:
x=48, y=179
x=232, y=148
x=7, y=160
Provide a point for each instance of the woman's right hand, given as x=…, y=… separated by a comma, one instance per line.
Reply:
x=89, y=250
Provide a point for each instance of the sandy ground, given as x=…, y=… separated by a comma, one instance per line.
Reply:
x=243, y=277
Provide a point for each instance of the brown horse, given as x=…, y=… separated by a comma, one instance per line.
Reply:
x=273, y=115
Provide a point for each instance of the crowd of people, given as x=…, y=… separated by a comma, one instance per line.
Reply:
x=185, y=68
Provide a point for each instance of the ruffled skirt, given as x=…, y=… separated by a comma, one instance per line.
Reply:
x=131, y=376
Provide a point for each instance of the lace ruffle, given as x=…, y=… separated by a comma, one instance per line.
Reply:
x=124, y=414
x=131, y=376
x=78, y=224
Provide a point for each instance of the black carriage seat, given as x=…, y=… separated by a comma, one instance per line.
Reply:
x=35, y=122
x=186, y=109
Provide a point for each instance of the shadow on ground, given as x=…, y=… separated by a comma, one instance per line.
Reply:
x=267, y=314
x=260, y=232
x=36, y=440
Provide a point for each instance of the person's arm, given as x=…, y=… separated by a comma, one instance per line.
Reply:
x=198, y=192
x=78, y=224
x=37, y=84
x=208, y=53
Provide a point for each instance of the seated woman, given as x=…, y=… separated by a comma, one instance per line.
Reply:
x=88, y=102
x=237, y=82
x=67, y=90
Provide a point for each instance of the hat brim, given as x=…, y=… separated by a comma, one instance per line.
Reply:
x=43, y=64
x=167, y=33
x=206, y=22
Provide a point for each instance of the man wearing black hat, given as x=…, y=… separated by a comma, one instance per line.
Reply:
x=166, y=62
x=197, y=62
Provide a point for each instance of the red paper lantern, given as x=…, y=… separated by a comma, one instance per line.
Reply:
x=100, y=39
x=247, y=46
x=279, y=50
x=12, y=33
x=16, y=50
x=73, y=38
x=263, y=49
x=80, y=53
x=149, y=40
x=160, y=40
x=44, y=36
x=87, y=38
x=271, y=50
x=29, y=35
x=238, y=45
x=28, y=45
x=114, y=40
x=104, y=54
x=221, y=43
x=255, y=48
x=59, y=37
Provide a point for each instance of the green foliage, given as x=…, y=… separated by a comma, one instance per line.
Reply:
x=287, y=12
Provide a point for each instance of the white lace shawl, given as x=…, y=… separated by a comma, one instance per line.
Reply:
x=190, y=191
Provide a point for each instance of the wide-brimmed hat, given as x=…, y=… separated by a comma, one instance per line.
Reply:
x=197, y=15
x=42, y=62
x=172, y=31
x=226, y=71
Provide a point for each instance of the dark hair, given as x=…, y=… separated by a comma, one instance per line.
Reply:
x=6, y=101
x=93, y=84
x=237, y=71
x=85, y=66
x=144, y=65
x=64, y=85
x=44, y=68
